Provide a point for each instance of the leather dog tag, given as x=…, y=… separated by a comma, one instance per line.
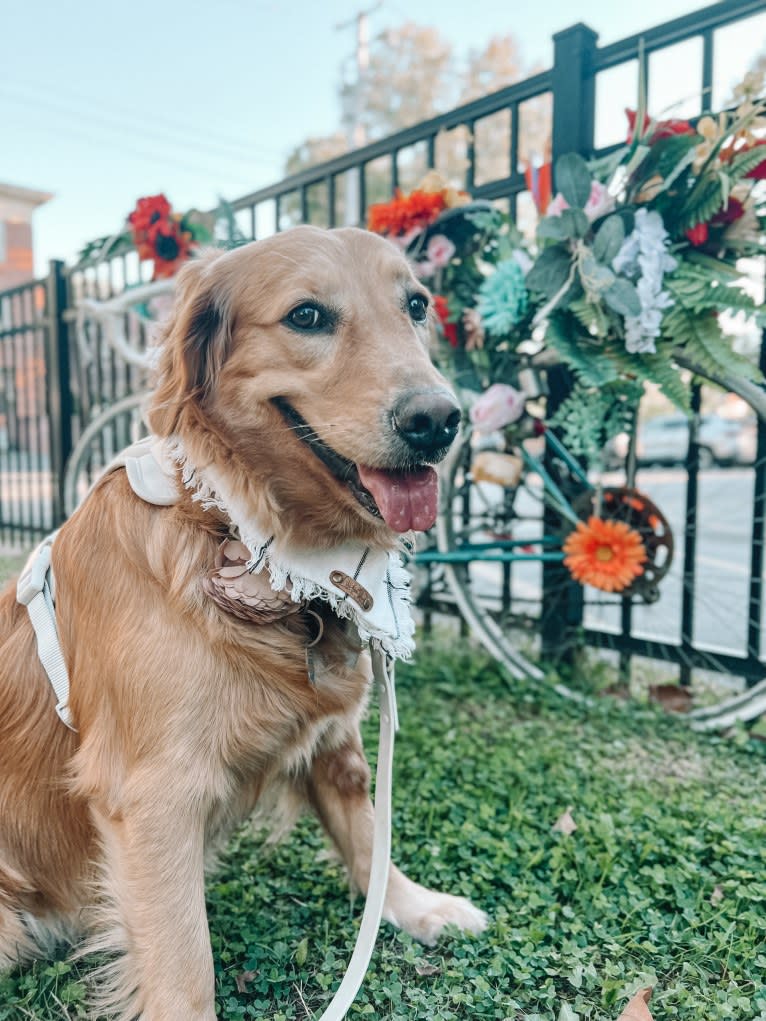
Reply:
x=353, y=589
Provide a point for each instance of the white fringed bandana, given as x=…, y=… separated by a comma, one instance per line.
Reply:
x=369, y=587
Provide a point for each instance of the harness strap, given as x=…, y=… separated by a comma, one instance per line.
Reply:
x=33, y=590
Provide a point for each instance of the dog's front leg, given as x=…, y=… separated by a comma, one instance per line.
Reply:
x=154, y=880
x=338, y=790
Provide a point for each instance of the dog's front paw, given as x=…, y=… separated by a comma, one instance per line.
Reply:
x=425, y=914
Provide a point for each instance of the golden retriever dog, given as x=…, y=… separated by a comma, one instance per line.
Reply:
x=295, y=369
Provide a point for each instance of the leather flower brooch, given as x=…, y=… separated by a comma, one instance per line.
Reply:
x=244, y=593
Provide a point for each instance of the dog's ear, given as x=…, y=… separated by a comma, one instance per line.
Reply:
x=195, y=344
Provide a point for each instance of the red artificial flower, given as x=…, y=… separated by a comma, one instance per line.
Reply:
x=663, y=129
x=442, y=311
x=698, y=235
x=758, y=173
x=171, y=247
x=405, y=212
x=150, y=212
x=540, y=186
x=728, y=214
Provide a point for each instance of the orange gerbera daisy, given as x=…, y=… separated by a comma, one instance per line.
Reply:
x=605, y=554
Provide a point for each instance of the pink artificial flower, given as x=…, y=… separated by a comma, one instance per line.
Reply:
x=440, y=250
x=599, y=203
x=424, y=269
x=497, y=407
x=557, y=205
x=404, y=241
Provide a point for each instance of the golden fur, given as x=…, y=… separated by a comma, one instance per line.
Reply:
x=187, y=717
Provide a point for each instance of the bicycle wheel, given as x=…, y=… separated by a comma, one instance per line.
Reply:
x=473, y=518
x=104, y=437
x=708, y=595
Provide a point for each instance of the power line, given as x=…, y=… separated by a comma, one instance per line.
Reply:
x=68, y=132
x=212, y=140
x=105, y=124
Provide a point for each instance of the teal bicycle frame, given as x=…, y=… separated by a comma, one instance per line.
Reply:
x=511, y=551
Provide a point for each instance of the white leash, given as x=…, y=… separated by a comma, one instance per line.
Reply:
x=34, y=590
x=381, y=848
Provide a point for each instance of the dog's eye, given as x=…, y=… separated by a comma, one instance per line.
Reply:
x=418, y=308
x=308, y=318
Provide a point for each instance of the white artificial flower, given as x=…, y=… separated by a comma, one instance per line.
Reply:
x=644, y=259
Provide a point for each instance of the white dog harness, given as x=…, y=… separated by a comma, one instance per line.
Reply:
x=368, y=587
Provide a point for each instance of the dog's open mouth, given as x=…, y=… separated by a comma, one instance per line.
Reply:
x=406, y=499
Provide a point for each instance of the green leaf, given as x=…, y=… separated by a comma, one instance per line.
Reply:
x=567, y=1014
x=301, y=952
x=595, y=277
x=667, y=153
x=550, y=271
x=623, y=298
x=608, y=239
x=573, y=179
x=570, y=224
x=575, y=223
x=552, y=227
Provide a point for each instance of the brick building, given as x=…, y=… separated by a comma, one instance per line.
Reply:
x=16, y=208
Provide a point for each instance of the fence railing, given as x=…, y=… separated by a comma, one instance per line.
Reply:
x=56, y=375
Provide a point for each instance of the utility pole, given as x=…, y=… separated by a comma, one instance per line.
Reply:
x=352, y=113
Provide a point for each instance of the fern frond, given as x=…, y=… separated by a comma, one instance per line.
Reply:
x=701, y=339
x=585, y=357
x=702, y=203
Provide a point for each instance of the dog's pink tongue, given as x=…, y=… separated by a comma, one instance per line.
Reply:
x=407, y=500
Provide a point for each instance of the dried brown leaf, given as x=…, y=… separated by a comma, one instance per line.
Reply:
x=242, y=980
x=565, y=823
x=425, y=968
x=717, y=895
x=672, y=697
x=637, y=1009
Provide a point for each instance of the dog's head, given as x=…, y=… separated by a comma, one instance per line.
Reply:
x=299, y=365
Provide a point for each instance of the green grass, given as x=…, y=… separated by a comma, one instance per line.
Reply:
x=663, y=883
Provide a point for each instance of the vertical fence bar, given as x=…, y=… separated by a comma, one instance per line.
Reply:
x=574, y=103
x=707, y=71
x=470, y=170
x=330, y=184
x=755, y=595
x=690, y=536
x=59, y=392
x=362, y=195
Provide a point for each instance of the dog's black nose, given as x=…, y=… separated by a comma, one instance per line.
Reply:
x=427, y=421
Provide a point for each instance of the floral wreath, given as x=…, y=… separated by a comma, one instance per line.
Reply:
x=634, y=262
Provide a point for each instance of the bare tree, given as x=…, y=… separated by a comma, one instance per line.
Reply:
x=414, y=74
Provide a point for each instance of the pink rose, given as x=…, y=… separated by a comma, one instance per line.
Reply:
x=440, y=250
x=497, y=407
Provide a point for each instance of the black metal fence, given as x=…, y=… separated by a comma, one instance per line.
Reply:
x=56, y=375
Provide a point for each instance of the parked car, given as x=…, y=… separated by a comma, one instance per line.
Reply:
x=665, y=440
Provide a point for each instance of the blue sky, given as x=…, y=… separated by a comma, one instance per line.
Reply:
x=103, y=102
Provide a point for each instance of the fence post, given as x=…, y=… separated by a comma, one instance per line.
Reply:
x=58, y=383
x=574, y=104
